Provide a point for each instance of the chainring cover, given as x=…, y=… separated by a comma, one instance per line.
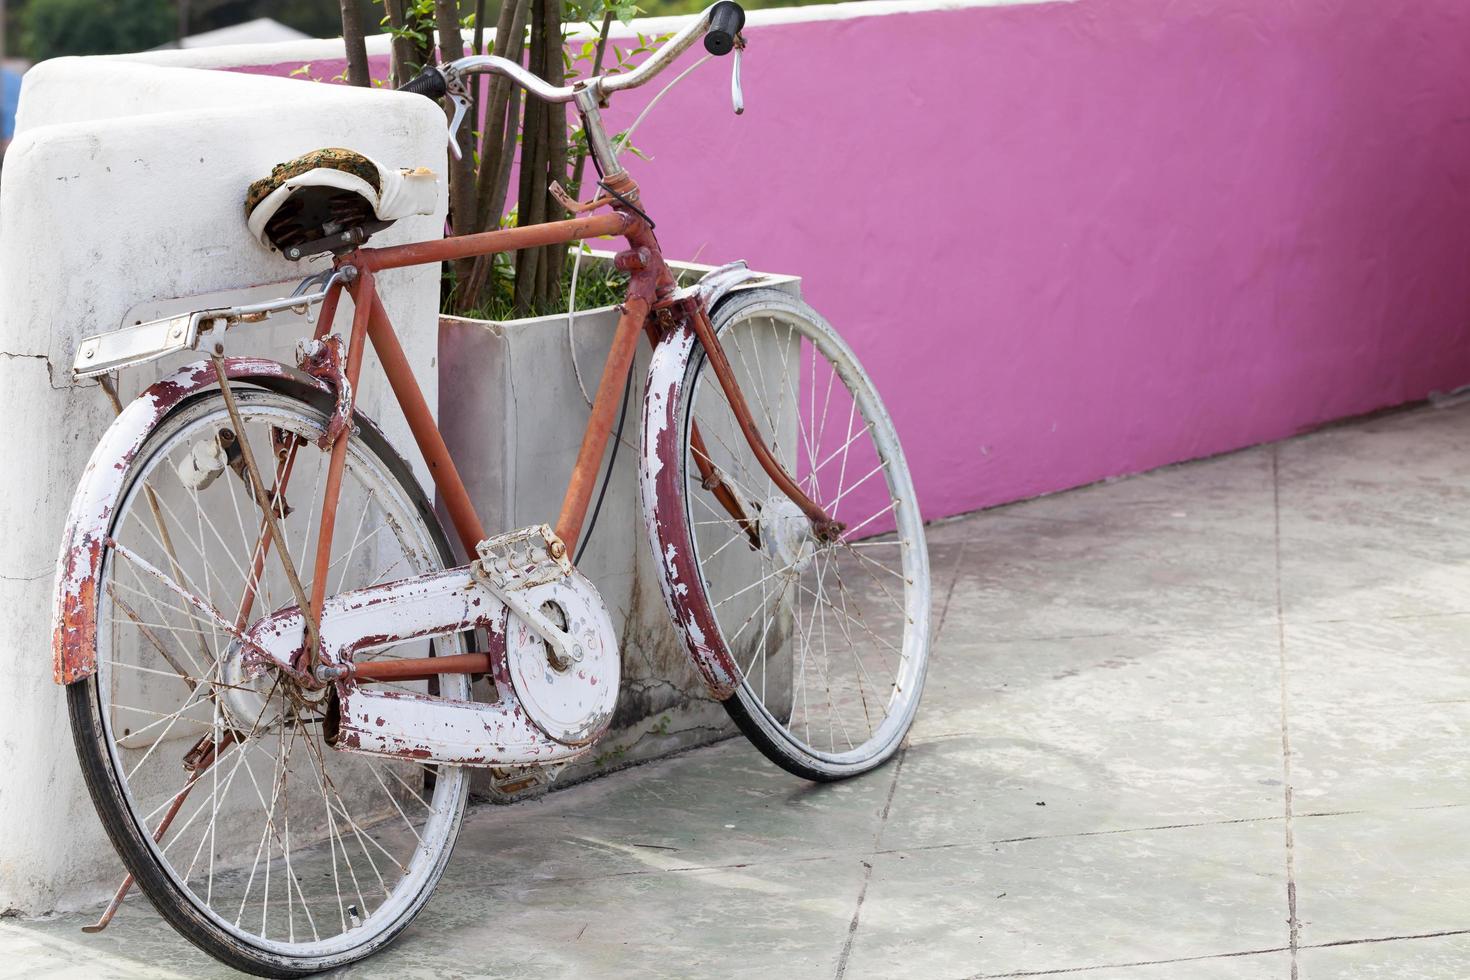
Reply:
x=571, y=698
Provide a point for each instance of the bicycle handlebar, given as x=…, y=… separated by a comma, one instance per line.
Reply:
x=719, y=24
x=726, y=18
x=429, y=82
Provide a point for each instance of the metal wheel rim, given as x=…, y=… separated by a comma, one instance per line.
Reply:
x=909, y=525
x=451, y=784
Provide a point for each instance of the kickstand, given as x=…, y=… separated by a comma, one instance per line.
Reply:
x=112, y=906
x=196, y=761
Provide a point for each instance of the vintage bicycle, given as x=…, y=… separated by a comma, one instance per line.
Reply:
x=269, y=646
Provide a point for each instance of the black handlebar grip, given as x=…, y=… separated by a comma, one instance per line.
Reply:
x=725, y=23
x=430, y=82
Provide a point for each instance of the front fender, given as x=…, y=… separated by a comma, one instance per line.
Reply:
x=78, y=570
x=716, y=284
x=668, y=530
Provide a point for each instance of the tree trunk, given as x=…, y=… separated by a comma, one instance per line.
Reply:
x=408, y=57
x=499, y=133
x=577, y=169
x=355, y=43
x=461, y=171
x=556, y=149
x=534, y=153
x=497, y=148
x=507, y=156
x=471, y=291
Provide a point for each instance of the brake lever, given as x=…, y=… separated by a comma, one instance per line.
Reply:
x=737, y=94
x=460, y=96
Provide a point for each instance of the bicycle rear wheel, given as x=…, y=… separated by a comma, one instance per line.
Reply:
x=257, y=841
x=831, y=638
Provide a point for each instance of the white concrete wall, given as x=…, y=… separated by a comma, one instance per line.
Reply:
x=124, y=189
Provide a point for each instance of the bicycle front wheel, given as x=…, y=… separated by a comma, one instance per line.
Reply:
x=831, y=638
x=252, y=836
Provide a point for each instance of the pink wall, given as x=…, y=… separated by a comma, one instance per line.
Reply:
x=1073, y=241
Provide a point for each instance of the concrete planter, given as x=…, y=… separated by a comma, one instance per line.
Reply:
x=513, y=416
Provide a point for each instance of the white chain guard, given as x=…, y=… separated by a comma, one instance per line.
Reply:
x=572, y=705
x=565, y=666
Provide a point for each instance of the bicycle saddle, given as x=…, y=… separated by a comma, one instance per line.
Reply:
x=333, y=198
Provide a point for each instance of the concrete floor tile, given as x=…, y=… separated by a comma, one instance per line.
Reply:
x=1251, y=966
x=754, y=921
x=1381, y=875
x=1382, y=569
x=1098, y=681
x=1034, y=781
x=787, y=919
x=137, y=945
x=717, y=806
x=1121, y=561
x=1380, y=758
x=1110, y=732
x=1376, y=662
x=1370, y=517
x=1073, y=903
x=1430, y=958
x=1412, y=451
x=1025, y=588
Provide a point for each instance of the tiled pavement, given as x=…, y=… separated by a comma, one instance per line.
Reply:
x=1210, y=722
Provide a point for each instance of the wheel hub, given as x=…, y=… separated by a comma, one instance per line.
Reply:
x=787, y=536
x=245, y=700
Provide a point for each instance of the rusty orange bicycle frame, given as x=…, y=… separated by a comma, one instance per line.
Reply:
x=650, y=307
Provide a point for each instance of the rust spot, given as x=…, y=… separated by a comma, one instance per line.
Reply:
x=74, y=634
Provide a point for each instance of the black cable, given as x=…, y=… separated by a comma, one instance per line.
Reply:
x=607, y=477
x=628, y=204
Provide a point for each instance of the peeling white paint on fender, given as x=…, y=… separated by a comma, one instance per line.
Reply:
x=659, y=473
x=74, y=613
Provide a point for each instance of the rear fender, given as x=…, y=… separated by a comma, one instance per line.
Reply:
x=78, y=570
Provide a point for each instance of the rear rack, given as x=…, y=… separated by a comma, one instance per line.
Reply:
x=143, y=342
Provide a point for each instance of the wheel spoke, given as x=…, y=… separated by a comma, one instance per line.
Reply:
x=286, y=842
x=837, y=682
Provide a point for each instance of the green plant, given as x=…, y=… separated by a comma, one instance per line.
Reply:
x=51, y=28
x=524, y=138
x=598, y=284
x=410, y=23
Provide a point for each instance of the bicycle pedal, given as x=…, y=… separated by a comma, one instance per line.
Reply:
x=516, y=780
x=519, y=560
